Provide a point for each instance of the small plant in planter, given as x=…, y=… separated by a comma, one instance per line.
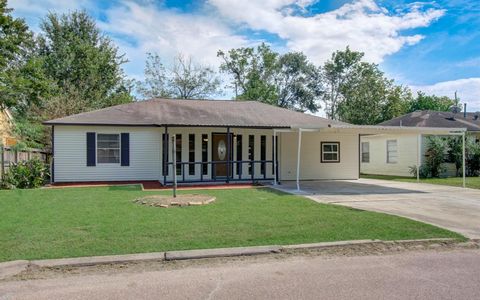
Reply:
x=28, y=174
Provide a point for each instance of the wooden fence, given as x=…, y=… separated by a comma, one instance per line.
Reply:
x=10, y=156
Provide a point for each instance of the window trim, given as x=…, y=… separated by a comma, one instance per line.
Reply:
x=362, y=152
x=119, y=149
x=396, y=151
x=322, y=160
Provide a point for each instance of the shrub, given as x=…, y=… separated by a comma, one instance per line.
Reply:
x=435, y=155
x=423, y=171
x=26, y=174
x=472, y=155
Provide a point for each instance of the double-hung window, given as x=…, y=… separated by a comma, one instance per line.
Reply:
x=330, y=152
x=365, y=152
x=108, y=148
x=392, y=154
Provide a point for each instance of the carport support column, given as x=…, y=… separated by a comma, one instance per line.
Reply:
x=463, y=159
x=298, y=157
x=419, y=153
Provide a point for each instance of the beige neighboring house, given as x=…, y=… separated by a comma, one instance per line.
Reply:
x=394, y=154
x=6, y=124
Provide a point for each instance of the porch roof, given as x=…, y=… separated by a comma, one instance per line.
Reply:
x=204, y=113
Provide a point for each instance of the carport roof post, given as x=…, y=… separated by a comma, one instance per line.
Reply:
x=299, y=148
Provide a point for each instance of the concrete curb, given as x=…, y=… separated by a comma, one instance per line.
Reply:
x=12, y=268
x=221, y=252
x=330, y=244
x=98, y=260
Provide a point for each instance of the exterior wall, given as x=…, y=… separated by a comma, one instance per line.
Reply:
x=311, y=166
x=146, y=154
x=406, y=154
x=70, y=155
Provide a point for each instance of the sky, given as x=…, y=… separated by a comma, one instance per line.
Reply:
x=433, y=46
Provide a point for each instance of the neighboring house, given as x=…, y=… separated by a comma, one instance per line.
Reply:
x=6, y=124
x=393, y=154
x=216, y=140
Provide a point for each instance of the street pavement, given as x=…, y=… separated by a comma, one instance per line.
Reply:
x=427, y=274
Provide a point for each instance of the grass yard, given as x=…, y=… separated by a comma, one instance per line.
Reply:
x=471, y=182
x=72, y=222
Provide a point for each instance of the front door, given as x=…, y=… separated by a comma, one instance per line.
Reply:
x=219, y=154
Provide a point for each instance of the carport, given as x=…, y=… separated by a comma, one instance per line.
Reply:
x=370, y=130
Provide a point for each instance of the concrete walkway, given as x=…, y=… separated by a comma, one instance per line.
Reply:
x=453, y=208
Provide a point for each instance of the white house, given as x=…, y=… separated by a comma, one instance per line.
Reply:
x=394, y=154
x=214, y=141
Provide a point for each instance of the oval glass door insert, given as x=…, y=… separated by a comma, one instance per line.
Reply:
x=222, y=150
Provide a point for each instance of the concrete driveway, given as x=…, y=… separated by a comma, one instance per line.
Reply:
x=452, y=208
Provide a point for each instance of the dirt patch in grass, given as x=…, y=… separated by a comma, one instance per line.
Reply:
x=169, y=201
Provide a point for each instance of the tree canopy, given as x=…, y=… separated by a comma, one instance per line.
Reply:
x=287, y=80
x=82, y=61
x=431, y=102
x=184, y=80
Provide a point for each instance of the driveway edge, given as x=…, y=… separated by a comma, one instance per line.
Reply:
x=12, y=268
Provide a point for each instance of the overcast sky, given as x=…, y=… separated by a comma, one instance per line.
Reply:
x=433, y=46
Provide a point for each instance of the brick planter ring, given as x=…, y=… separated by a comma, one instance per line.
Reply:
x=169, y=201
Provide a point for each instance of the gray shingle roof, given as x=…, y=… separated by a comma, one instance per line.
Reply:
x=173, y=112
x=428, y=118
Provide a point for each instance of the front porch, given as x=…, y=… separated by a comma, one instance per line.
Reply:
x=219, y=155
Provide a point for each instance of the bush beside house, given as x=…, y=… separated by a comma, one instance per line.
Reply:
x=27, y=174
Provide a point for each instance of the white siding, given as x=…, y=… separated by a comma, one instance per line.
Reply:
x=146, y=154
x=406, y=154
x=70, y=155
x=311, y=166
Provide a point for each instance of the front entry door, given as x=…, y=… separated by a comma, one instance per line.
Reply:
x=220, y=152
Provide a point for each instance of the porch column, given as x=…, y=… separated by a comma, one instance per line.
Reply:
x=463, y=159
x=298, y=157
x=229, y=144
x=174, y=165
x=274, y=157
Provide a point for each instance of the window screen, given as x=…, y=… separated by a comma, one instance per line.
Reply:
x=108, y=148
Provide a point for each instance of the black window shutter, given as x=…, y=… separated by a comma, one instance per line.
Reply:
x=91, y=149
x=125, y=152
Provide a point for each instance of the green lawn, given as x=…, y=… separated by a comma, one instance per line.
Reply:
x=54, y=223
x=471, y=182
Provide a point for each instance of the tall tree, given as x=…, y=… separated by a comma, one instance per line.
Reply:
x=297, y=83
x=82, y=60
x=21, y=79
x=431, y=102
x=287, y=80
x=253, y=71
x=184, y=80
x=335, y=74
x=358, y=92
